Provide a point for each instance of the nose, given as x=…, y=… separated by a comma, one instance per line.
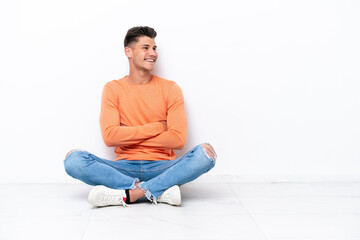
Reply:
x=153, y=52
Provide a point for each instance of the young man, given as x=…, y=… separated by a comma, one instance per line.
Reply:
x=143, y=117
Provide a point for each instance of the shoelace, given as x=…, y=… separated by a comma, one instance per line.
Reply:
x=110, y=198
x=154, y=200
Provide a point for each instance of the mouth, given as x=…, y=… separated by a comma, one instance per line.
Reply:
x=151, y=60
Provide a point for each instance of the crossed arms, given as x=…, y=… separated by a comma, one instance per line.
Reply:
x=169, y=134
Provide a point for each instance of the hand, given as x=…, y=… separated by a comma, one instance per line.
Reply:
x=164, y=124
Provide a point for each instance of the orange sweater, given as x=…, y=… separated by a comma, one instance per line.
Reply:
x=131, y=114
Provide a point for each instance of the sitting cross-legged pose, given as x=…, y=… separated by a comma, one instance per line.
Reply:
x=143, y=117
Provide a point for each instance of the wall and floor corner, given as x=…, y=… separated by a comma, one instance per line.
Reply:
x=273, y=85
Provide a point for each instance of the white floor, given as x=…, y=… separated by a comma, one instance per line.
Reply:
x=290, y=211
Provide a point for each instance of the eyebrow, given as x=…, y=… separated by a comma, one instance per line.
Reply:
x=147, y=45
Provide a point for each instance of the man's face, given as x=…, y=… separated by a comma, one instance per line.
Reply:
x=144, y=54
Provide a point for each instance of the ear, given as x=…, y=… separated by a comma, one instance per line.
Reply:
x=128, y=52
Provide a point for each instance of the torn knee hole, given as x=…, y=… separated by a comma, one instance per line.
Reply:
x=72, y=150
x=209, y=151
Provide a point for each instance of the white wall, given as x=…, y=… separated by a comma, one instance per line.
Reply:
x=273, y=85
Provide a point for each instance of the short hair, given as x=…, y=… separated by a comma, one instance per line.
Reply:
x=134, y=33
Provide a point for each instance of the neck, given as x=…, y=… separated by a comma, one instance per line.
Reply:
x=139, y=77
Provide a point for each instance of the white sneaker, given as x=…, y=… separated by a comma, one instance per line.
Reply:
x=171, y=196
x=101, y=196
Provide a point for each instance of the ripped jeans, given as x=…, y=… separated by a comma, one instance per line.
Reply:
x=154, y=177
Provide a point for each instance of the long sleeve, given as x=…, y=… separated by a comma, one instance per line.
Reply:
x=116, y=135
x=175, y=136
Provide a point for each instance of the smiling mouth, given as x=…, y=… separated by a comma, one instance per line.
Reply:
x=150, y=60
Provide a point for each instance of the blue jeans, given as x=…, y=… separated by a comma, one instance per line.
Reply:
x=154, y=177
